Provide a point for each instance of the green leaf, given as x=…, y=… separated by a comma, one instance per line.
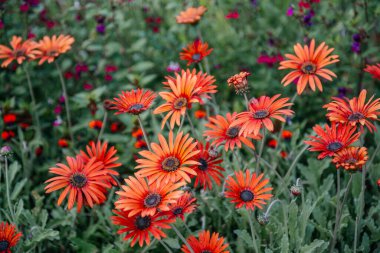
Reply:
x=173, y=243
x=243, y=234
x=142, y=66
x=17, y=189
x=316, y=244
x=82, y=246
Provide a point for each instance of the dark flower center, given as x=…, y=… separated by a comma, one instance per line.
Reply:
x=136, y=108
x=203, y=164
x=334, y=146
x=308, y=68
x=170, y=164
x=196, y=57
x=260, y=114
x=19, y=53
x=52, y=53
x=355, y=116
x=206, y=251
x=152, y=200
x=4, y=245
x=232, y=132
x=179, y=103
x=178, y=211
x=247, y=195
x=351, y=160
x=143, y=222
x=78, y=180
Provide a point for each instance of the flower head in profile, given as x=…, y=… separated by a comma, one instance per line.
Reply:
x=209, y=168
x=374, y=70
x=134, y=101
x=260, y=113
x=247, y=190
x=331, y=139
x=205, y=243
x=221, y=131
x=139, y=197
x=191, y=15
x=240, y=82
x=355, y=111
x=107, y=156
x=204, y=86
x=9, y=237
x=19, y=51
x=308, y=66
x=182, y=94
x=49, y=48
x=169, y=161
x=195, y=52
x=82, y=183
x=184, y=205
x=351, y=158
x=139, y=229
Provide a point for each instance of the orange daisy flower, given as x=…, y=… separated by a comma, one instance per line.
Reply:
x=85, y=183
x=134, y=101
x=51, y=48
x=185, y=204
x=206, y=242
x=182, y=95
x=9, y=237
x=309, y=64
x=222, y=131
x=19, y=51
x=139, y=197
x=208, y=169
x=374, y=70
x=330, y=140
x=261, y=112
x=104, y=155
x=240, y=82
x=191, y=15
x=248, y=190
x=204, y=84
x=195, y=52
x=351, y=158
x=140, y=228
x=354, y=111
x=169, y=161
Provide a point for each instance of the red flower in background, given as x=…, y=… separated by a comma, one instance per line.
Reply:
x=6, y=135
x=95, y=124
x=195, y=52
x=200, y=114
x=272, y=143
x=185, y=204
x=232, y=15
x=374, y=70
x=9, y=237
x=205, y=243
x=63, y=143
x=287, y=135
x=9, y=118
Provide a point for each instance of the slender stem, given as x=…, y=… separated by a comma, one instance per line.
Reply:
x=260, y=151
x=144, y=132
x=246, y=101
x=356, y=234
x=236, y=157
x=67, y=106
x=182, y=238
x=224, y=184
x=200, y=67
x=191, y=124
x=337, y=198
x=7, y=186
x=165, y=246
x=103, y=126
x=34, y=104
x=116, y=179
x=270, y=206
x=147, y=247
x=252, y=231
x=337, y=225
x=180, y=127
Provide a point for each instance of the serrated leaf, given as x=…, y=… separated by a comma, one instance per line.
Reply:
x=173, y=243
x=17, y=189
x=243, y=234
x=315, y=246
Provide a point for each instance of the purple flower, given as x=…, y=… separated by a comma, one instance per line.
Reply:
x=101, y=28
x=356, y=37
x=342, y=92
x=58, y=110
x=355, y=47
x=290, y=11
x=307, y=19
x=87, y=86
x=61, y=99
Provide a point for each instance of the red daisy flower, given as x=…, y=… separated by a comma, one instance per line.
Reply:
x=9, y=237
x=19, y=51
x=351, y=158
x=222, y=131
x=206, y=243
x=134, y=101
x=374, y=70
x=209, y=167
x=139, y=197
x=354, y=111
x=332, y=139
x=195, y=52
x=85, y=183
x=248, y=190
x=261, y=112
x=185, y=204
x=140, y=228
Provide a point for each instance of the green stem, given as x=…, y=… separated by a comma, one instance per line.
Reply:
x=144, y=133
x=340, y=212
x=182, y=238
x=246, y=100
x=260, y=151
x=147, y=247
x=67, y=106
x=252, y=231
x=103, y=125
x=7, y=186
x=34, y=105
x=165, y=246
x=191, y=125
